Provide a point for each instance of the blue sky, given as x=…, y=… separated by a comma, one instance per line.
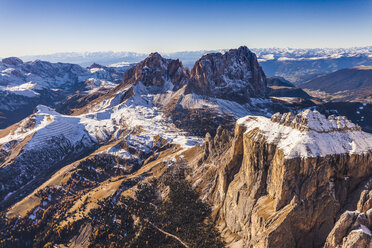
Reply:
x=47, y=26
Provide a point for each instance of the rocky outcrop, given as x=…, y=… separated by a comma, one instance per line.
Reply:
x=215, y=146
x=12, y=61
x=156, y=71
x=269, y=193
x=234, y=75
x=353, y=228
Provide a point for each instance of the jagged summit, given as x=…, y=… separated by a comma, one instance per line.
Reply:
x=234, y=75
x=155, y=55
x=95, y=65
x=156, y=71
x=314, y=121
x=309, y=134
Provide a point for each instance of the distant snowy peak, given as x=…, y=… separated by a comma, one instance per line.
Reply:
x=309, y=134
x=303, y=54
x=121, y=64
x=17, y=76
x=24, y=85
x=234, y=75
x=43, y=74
x=155, y=71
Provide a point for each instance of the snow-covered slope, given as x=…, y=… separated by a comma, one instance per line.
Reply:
x=16, y=75
x=24, y=85
x=42, y=74
x=310, y=134
x=44, y=125
x=47, y=138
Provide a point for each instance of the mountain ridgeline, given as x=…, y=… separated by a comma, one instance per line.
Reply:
x=351, y=84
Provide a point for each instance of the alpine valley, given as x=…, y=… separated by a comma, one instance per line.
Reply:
x=153, y=154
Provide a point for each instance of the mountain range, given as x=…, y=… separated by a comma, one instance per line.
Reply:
x=24, y=85
x=296, y=65
x=157, y=155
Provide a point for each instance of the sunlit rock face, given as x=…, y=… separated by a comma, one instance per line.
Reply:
x=282, y=182
x=234, y=75
x=157, y=71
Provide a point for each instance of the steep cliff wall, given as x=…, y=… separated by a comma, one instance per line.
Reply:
x=283, y=182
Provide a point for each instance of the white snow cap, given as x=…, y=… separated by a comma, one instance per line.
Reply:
x=310, y=134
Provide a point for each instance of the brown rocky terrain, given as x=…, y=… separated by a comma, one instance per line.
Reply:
x=263, y=198
x=234, y=75
x=138, y=174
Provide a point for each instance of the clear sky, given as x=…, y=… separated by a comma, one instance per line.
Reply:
x=29, y=27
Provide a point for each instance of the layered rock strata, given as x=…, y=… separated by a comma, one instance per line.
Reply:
x=283, y=181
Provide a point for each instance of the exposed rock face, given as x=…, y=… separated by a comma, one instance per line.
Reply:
x=12, y=61
x=270, y=193
x=155, y=71
x=215, y=146
x=351, y=230
x=234, y=75
x=365, y=201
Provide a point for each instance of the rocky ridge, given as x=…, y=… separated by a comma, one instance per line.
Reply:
x=24, y=85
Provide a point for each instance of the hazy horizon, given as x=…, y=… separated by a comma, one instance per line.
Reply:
x=181, y=51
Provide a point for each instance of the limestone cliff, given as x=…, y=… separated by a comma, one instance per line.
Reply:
x=282, y=182
x=353, y=228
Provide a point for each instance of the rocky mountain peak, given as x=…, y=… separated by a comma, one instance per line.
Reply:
x=309, y=134
x=12, y=61
x=95, y=65
x=315, y=121
x=156, y=71
x=155, y=55
x=234, y=75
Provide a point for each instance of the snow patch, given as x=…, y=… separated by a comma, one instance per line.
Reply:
x=319, y=137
